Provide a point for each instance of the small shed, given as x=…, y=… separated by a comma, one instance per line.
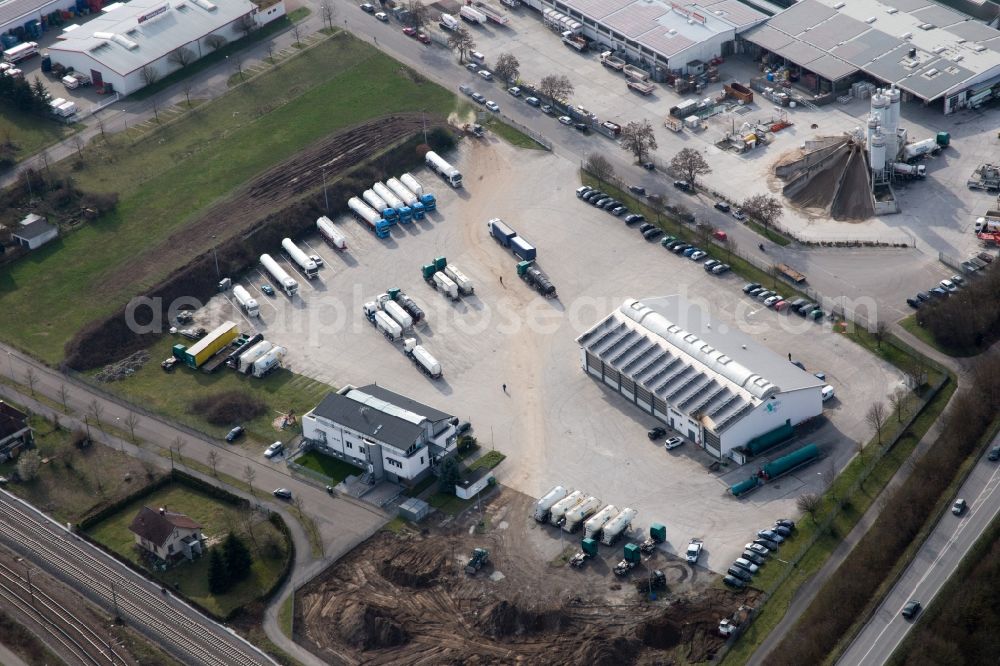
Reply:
x=33, y=232
x=414, y=509
x=474, y=482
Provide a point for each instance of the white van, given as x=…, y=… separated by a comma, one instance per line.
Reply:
x=476, y=56
x=827, y=392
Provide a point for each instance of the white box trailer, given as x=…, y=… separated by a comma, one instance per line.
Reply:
x=284, y=280
x=246, y=360
x=23, y=51
x=549, y=500
x=559, y=509
x=389, y=328
x=593, y=526
x=472, y=15
x=617, y=526
x=464, y=284
x=579, y=513
x=66, y=109
x=331, y=233
x=398, y=314
x=247, y=302
x=444, y=284
x=307, y=265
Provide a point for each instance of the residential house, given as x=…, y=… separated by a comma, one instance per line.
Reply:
x=15, y=433
x=167, y=535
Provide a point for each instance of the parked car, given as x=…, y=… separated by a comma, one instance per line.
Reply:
x=316, y=259
x=969, y=268
x=478, y=98
x=234, y=434
x=649, y=166
x=593, y=196
x=673, y=443
x=532, y=101
x=948, y=286
x=751, y=556
x=734, y=582
x=581, y=191
x=682, y=185
x=547, y=109
x=749, y=286
x=757, y=549
x=600, y=201
x=367, y=7
x=423, y=38
x=958, y=280
x=723, y=206
x=771, y=300
x=763, y=295
x=756, y=290
x=738, y=214
x=781, y=306
x=994, y=454
x=720, y=235
x=923, y=296
x=515, y=91
x=772, y=535
x=382, y=16
x=938, y=292
x=274, y=449
x=913, y=303
x=472, y=67
x=618, y=211
x=633, y=218
x=267, y=289
x=613, y=203
x=698, y=255
x=739, y=572
x=958, y=508
x=709, y=264
x=719, y=269
x=486, y=74
x=565, y=120
x=680, y=247
x=463, y=428
x=782, y=530
x=744, y=563
x=689, y=251
x=911, y=609
x=581, y=127
x=282, y=493
x=766, y=543
x=652, y=234
x=656, y=432
x=492, y=106
x=410, y=31
x=785, y=522
x=637, y=189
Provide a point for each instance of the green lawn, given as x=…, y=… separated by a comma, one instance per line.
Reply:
x=168, y=177
x=489, y=460
x=216, y=518
x=30, y=133
x=337, y=470
x=171, y=394
x=511, y=135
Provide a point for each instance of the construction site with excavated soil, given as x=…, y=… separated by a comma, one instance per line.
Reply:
x=405, y=598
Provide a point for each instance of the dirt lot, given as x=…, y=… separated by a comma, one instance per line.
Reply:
x=405, y=599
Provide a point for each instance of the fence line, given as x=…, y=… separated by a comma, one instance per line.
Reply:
x=535, y=136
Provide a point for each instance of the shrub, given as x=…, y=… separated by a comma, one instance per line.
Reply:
x=227, y=408
x=27, y=465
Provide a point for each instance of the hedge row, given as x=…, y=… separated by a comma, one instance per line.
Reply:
x=850, y=589
x=105, y=340
x=969, y=318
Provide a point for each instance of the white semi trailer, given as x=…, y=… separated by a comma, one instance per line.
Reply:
x=307, y=265
x=247, y=359
x=331, y=233
x=412, y=184
x=579, y=513
x=389, y=328
x=447, y=171
x=422, y=358
x=444, y=284
x=284, y=280
x=593, y=526
x=559, y=509
x=247, y=302
x=398, y=314
x=268, y=362
x=458, y=277
x=549, y=500
x=616, y=526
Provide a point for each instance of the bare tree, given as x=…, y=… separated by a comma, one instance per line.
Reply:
x=100, y=126
x=880, y=331
x=249, y=475
x=149, y=75
x=897, y=402
x=875, y=417
x=31, y=378
x=327, y=12
x=461, y=40
x=270, y=52
x=297, y=31
x=247, y=25
x=78, y=144
x=555, y=87
x=247, y=518
x=213, y=461
x=764, y=208
x=507, y=67
x=638, y=138
x=178, y=445
x=215, y=42
x=689, y=164
x=237, y=61
x=417, y=14
x=64, y=397
x=181, y=56
x=600, y=167
x=96, y=410
x=186, y=87
x=809, y=503
x=156, y=108
x=132, y=420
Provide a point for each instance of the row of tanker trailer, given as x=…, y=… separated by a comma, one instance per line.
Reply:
x=396, y=201
x=576, y=509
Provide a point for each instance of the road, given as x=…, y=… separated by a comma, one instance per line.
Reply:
x=342, y=522
x=935, y=562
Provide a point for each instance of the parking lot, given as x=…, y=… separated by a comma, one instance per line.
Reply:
x=556, y=425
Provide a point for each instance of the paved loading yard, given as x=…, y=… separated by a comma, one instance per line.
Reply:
x=556, y=425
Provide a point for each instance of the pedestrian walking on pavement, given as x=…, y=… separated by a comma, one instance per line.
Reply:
x=504, y=388
x=501, y=280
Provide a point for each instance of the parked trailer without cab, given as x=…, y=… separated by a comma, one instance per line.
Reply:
x=284, y=280
x=444, y=284
x=422, y=358
x=268, y=362
x=593, y=526
x=559, y=509
x=615, y=527
x=579, y=513
x=246, y=360
x=331, y=233
x=464, y=283
x=426, y=198
x=549, y=500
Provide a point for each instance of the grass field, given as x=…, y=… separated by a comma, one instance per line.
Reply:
x=30, y=133
x=166, y=178
x=336, y=470
x=171, y=394
x=216, y=518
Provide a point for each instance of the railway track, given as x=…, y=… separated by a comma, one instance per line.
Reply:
x=179, y=629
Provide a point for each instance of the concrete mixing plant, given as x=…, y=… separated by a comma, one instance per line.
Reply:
x=852, y=176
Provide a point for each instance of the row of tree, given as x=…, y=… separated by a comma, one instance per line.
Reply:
x=229, y=565
x=18, y=94
x=969, y=319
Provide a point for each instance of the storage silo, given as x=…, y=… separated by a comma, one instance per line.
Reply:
x=876, y=153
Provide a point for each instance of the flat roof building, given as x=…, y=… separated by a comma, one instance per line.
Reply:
x=661, y=34
x=132, y=45
x=930, y=52
x=715, y=386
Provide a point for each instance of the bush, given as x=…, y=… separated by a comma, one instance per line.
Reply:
x=228, y=408
x=28, y=464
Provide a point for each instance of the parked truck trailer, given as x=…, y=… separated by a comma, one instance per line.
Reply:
x=408, y=197
x=422, y=358
x=404, y=212
x=233, y=360
x=380, y=205
x=195, y=355
x=547, y=501
x=494, y=15
x=284, y=280
x=408, y=304
x=615, y=527
x=446, y=171
x=522, y=248
x=426, y=198
x=464, y=283
x=369, y=216
x=388, y=326
x=246, y=302
x=399, y=315
x=471, y=15
x=559, y=509
x=592, y=528
x=331, y=233
x=244, y=363
x=445, y=285
x=268, y=362
x=574, y=517
x=501, y=232
x=307, y=265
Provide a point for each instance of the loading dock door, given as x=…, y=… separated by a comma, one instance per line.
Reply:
x=96, y=78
